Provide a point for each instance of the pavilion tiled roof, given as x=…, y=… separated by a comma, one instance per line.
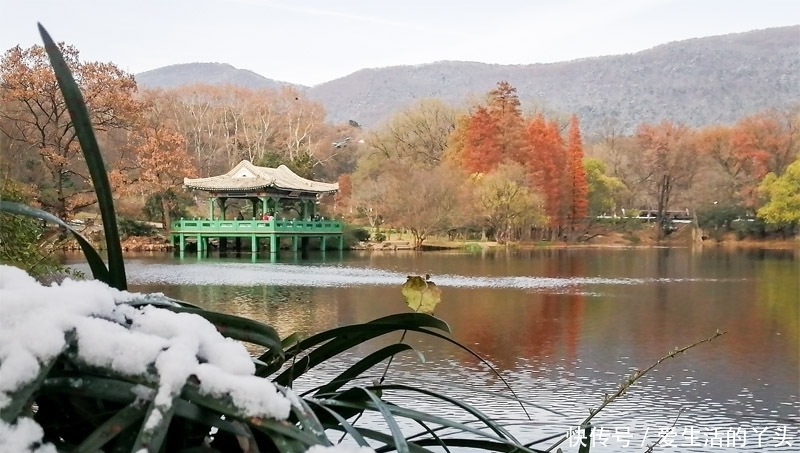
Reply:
x=248, y=177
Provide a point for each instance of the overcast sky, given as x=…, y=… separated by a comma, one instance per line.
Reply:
x=314, y=41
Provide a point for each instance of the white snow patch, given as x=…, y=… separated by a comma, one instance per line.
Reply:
x=255, y=396
x=25, y=436
x=35, y=319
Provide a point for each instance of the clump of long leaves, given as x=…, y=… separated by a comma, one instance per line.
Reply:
x=88, y=408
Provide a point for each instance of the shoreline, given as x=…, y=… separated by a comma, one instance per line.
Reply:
x=611, y=240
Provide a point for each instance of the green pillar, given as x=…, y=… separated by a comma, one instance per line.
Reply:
x=295, y=242
x=253, y=243
x=182, y=244
x=341, y=242
x=263, y=206
x=273, y=243
x=254, y=203
x=221, y=202
x=275, y=205
x=200, y=244
x=211, y=208
x=322, y=243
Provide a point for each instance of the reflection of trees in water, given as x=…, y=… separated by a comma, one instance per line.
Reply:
x=287, y=309
x=505, y=328
x=778, y=284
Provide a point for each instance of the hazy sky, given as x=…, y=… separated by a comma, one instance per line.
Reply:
x=313, y=41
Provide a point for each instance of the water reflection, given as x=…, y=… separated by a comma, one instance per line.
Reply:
x=563, y=326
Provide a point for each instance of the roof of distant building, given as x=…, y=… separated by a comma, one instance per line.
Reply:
x=248, y=177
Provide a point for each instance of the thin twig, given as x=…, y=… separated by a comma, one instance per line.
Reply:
x=658, y=441
x=638, y=374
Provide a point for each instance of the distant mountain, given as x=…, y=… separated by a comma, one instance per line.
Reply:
x=208, y=73
x=698, y=81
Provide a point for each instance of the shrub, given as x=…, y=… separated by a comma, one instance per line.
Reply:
x=22, y=239
x=179, y=203
x=354, y=235
x=131, y=227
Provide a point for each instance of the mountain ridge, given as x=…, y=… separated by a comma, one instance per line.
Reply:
x=698, y=81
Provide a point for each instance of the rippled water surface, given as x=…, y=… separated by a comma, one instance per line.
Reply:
x=562, y=326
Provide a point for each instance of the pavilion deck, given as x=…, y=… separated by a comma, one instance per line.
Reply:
x=203, y=230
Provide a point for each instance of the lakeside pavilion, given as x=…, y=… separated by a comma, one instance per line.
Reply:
x=272, y=192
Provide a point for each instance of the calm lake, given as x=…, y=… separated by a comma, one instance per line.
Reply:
x=562, y=326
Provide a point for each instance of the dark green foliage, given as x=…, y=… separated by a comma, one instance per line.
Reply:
x=719, y=217
x=354, y=234
x=302, y=165
x=131, y=227
x=178, y=200
x=22, y=241
x=360, y=234
x=718, y=220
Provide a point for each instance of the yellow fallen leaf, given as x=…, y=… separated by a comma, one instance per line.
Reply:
x=422, y=295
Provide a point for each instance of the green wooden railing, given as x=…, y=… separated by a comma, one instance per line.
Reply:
x=247, y=227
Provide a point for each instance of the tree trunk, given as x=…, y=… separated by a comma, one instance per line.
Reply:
x=166, y=208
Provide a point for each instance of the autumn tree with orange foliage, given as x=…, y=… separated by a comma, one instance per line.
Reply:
x=161, y=158
x=547, y=162
x=668, y=163
x=579, y=193
x=493, y=132
x=44, y=148
x=482, y=149
x=504, y=107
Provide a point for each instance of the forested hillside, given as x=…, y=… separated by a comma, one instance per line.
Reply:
x=698, y=82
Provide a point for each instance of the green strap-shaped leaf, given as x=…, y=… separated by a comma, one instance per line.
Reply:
x=341, y=424
x=307, y=419
x=152, y=435
x=411, y=414
x=107, y=431
x=400, y=442
x=491, y=424
x=389, y=441
x=477, y=444
x=96, y=264
x=94, y=160
x=400, y=321
x=21, y=397
x=361, y=366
